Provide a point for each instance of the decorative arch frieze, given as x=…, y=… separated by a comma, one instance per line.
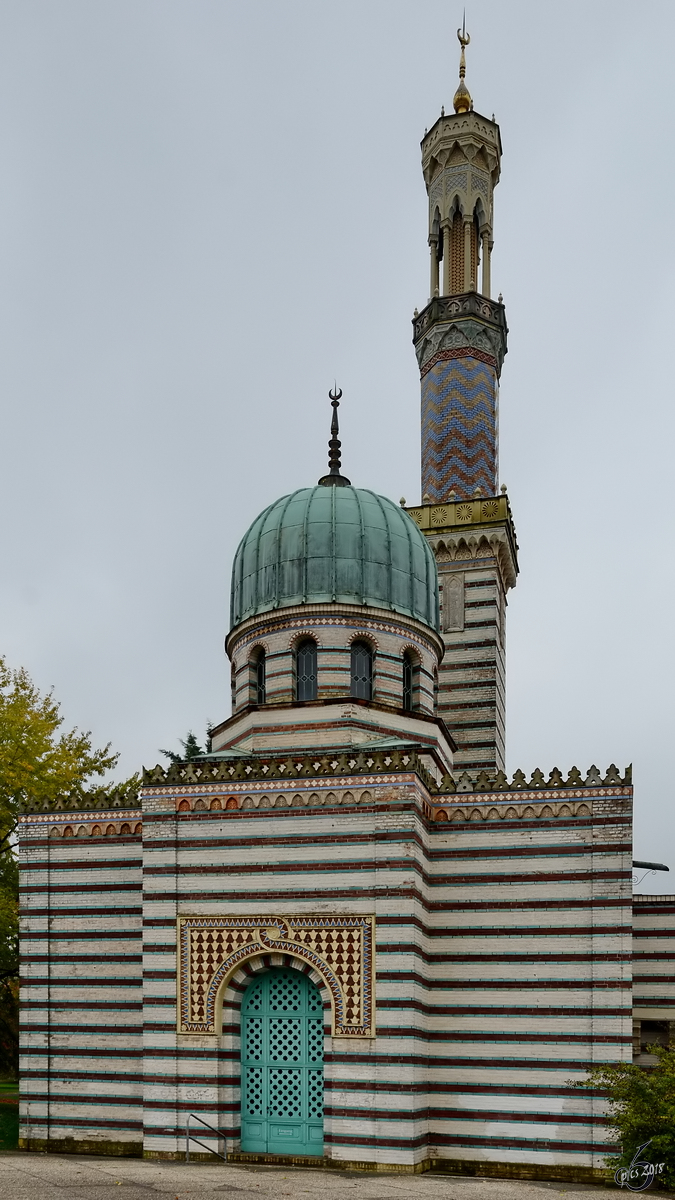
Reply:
x=411, y=648
x=526, y=812
x=299, y=635
x=339, y=948
x=100, y=828
x=458, y=547
x=363, y=634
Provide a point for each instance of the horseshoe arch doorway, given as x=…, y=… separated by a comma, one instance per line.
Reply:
x=282, y=1065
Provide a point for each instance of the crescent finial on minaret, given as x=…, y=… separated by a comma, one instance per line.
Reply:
x=462, y=99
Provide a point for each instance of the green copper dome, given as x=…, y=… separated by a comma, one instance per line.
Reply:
x=342, y=545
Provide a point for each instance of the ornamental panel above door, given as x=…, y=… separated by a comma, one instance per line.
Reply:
x=339, y=949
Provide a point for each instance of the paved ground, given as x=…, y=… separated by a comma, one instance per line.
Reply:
x=65, y=1177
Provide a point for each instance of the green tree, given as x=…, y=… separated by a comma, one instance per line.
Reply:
x=39, y=761
x=641, y=1109
x=191, y=750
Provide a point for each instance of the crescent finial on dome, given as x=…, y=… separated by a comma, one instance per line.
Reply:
x=334, y=478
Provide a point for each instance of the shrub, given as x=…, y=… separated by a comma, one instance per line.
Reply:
x=641, y=1109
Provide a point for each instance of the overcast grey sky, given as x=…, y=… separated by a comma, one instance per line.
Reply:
x=209, y=211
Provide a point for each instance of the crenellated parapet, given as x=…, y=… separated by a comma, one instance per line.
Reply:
x=374, y=762
x=295, y=767
x=308, y=767
x=498, y=781
x=126, y=799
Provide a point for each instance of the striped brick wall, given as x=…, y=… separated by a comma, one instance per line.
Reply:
x=476, y=554
x=472, y=674
x=503, y=948
x=653, y=973
x=81, y=981
x=538, y=979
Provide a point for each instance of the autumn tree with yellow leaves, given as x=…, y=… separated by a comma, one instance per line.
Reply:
x=39, y=761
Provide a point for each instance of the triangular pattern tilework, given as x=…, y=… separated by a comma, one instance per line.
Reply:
x=339, y=948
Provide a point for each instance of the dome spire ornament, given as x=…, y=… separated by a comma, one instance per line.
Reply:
x=334, y=478
x=462, y=98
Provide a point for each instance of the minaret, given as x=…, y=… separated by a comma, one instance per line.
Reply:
x=460, y=343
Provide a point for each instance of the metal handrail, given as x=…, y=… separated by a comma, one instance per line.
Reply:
x=190, y=1137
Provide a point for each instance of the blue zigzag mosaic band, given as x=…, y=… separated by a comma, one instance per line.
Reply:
x=459, y=427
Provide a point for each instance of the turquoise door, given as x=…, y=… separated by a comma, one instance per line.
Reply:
x=282, y=1065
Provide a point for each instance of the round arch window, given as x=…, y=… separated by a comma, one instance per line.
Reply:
x=305, y=670
x=362, y=671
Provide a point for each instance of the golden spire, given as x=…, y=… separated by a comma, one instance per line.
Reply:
x=462, y=99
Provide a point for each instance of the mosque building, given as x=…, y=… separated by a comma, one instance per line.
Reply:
x=343, y=936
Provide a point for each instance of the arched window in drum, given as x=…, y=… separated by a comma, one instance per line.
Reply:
x=362, y=671
x=305, y=670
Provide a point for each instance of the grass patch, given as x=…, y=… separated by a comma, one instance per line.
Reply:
x=9, y=1126
x=9, y=1114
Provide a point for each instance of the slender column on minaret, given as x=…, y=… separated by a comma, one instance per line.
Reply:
x=467, y=254
x=433, y=246
x=487, y=251
x=446, y=232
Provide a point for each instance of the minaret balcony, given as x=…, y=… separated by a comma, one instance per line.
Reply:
x=450, y=308
x=476, y=320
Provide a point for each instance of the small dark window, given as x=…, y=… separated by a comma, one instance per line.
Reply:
x=408, y=668
x=259, y=690
x=435, y=690
x=654, y=1033
x=362, y=671
x=305, y=670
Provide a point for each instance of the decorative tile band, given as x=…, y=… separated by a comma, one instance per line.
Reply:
x=280, y=785
x=338, y=948
x=458, y=352
x=67, y=817
x=520, y=797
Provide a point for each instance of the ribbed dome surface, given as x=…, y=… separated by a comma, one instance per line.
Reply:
x=334, y=545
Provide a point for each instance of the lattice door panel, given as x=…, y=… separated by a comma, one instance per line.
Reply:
x=282, y=1065
x=286, y=994
x=285, y=1093
x=286, y=1039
